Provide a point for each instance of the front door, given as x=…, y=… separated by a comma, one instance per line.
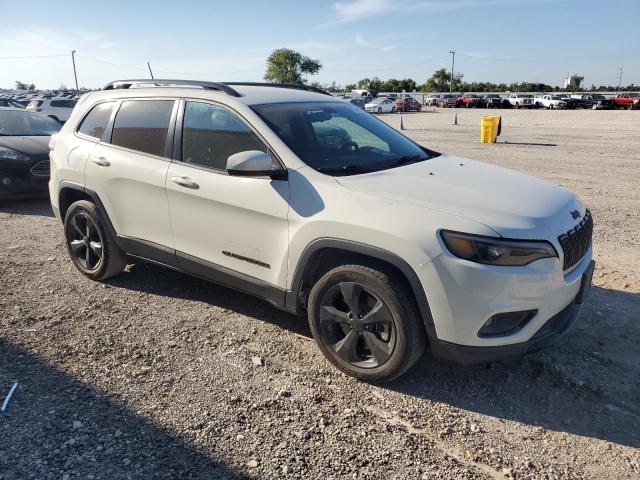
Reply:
x=237, y=225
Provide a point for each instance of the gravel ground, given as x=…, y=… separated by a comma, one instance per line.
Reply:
x=150, y=375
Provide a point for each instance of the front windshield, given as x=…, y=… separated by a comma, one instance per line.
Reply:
x=26, y=124
x=339, y=139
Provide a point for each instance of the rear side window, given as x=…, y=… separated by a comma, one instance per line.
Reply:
x=94, y=124
x=142, y=125
x=211, y=134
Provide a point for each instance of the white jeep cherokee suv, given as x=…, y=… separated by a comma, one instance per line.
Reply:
x=308, y=202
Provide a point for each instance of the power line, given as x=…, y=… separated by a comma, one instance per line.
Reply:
x=181, y=72
x=543, y=60
x=424, y=62
x=32, y=56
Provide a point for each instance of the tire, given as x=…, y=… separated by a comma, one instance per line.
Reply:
x=517, y=105
x=379, y=109
x=398, y=340
x=91, y=247
x=393, y=109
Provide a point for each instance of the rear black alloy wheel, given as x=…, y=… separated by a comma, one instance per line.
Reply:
x=85, y=242
x=366, y=322
x=91, y=246
x=357, y=325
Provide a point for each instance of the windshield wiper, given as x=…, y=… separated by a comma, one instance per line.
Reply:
x=409, y=159
x=347, y=169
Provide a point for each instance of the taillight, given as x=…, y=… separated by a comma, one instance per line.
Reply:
x=38, y=109
x=52, y=141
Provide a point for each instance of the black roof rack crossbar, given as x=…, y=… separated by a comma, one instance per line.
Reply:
x=170, y=83
x=294, y=86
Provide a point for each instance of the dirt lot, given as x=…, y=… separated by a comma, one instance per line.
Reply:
x=150, y=374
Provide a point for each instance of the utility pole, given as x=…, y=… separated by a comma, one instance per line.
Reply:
x=619, y=77
x=75, y=75
x=453, y=60
x=150, y=72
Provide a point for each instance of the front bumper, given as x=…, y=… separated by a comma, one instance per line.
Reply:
x=19, y=182
x=463, y=295
x=551, y=330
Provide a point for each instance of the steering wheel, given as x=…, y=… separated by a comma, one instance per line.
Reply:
x=344, y=146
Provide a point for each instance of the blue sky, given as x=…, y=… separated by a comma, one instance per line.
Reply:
x=495, y=40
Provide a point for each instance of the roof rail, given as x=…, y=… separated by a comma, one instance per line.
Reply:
x=294, y=86
x=223, y=87
x=171, y=83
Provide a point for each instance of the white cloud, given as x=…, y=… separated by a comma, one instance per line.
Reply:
x=363, y=42
x=359, y=9
x=477, y=54
x=347, y=12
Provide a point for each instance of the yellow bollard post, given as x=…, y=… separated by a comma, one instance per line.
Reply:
x=490, y=127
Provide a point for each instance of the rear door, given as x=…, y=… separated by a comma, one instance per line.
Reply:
x=88, y=134
x=128, y=171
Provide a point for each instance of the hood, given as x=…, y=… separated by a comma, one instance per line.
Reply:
x=513, y=204
x=31, y=146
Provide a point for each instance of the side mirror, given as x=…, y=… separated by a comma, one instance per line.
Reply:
x=254, y=163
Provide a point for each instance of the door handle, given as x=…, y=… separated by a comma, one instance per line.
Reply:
x=102, y=161
x=185, y=182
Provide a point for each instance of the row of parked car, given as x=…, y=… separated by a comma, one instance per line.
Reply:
x=385, y=104
x=405, y=103
x=518, y=100
x=58, y=108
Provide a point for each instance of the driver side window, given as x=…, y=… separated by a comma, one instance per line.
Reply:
x=210, y=134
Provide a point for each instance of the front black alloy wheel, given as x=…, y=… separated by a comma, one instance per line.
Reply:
x=366, y=322
x=357, y=325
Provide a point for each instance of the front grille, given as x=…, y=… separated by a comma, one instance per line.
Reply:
x=577, y=241
x=41, y=169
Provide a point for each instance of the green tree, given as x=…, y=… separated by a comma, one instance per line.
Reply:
x=437, y=82
x=288, y=66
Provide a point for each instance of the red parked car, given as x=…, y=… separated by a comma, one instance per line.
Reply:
x=408, y=104
x=626, y=100
x=470, y=100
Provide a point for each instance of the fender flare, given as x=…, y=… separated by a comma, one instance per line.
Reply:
x=96, y=200
x=366, y=250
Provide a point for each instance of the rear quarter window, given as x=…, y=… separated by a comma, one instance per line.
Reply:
x=143, y=125
x=96, y=121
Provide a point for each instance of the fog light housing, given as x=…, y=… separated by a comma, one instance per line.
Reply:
x=506, y=323
x=6, y=181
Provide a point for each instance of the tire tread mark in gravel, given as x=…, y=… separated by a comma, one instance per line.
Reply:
x=394, y=420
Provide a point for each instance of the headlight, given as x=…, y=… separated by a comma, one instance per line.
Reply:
x=8, y=154
x=495, y=251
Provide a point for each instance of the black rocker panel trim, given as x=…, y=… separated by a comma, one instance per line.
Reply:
x=185, y=263
x=230, y=278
